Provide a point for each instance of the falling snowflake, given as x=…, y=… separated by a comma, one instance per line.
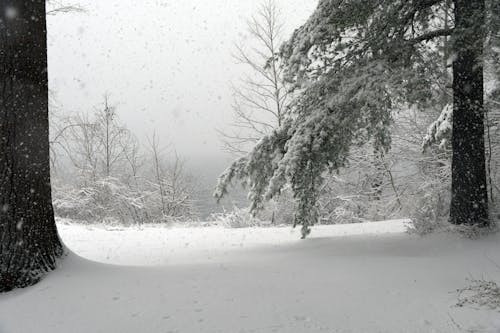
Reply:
x=11, y=12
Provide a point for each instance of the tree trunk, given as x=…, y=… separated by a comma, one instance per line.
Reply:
x=469, y=203
x=29, y=243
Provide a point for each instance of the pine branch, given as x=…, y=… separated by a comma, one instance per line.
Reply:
x=431, y=35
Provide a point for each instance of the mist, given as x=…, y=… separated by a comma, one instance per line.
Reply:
x=166, y=65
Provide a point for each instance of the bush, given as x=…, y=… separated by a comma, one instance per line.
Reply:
x=431, y=210
x=109, y=200
x=237, y=218
x=480, y=293
x=105, y=200
x=280, y=210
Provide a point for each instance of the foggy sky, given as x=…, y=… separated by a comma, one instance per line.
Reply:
x=166, y=64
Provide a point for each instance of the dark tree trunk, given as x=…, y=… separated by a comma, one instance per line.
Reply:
x=469, y=203
x=29, y=243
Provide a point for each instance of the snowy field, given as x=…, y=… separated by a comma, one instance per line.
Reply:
x=369, y=277
x=156, y=245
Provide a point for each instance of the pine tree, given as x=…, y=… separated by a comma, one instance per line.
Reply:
x=29, y=242
x=355, y=63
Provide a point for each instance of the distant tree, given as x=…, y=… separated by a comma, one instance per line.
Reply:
x=113, y=182
x=98, y=145
x=158, y=172
x=170, y=184
x=29, y=243
x=133, y=157
x=352, y=72
x=261, y=98
x=111, y=137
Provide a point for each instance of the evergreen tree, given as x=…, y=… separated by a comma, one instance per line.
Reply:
x=354, y=64
x=29, y=243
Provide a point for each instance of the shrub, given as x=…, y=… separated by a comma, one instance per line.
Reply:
x=238, y=218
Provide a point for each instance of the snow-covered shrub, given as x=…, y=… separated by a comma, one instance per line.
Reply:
x=280, y=210
x=77, y=204
x=481, y=294
x=341, y=209
x=364, y=190
x=431, y=200
x=342, y=212
x=439, y=132
x=105, y=200
x=102, y=176
x=430, y=212
x=111, y=201
x=237, y=218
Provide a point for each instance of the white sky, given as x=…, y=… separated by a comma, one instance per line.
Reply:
x=166, y=64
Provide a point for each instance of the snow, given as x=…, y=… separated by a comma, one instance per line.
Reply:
x=439, y=131
x=11, y=12
x=154, y=245
x=370, y=277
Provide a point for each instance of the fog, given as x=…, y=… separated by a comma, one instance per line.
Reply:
x=166, y=65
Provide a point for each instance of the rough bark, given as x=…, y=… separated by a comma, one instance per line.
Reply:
x=29, y=243
x=469, y=189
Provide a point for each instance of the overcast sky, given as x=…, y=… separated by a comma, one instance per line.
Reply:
x=166, y=64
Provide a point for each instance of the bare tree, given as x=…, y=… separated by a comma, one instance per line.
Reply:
x=133, y=157
x=154, y=145
x=173, y=185
x=97, y=145
x=179, y=185
x=111, y=136
x=114, y=184
x=260, y=99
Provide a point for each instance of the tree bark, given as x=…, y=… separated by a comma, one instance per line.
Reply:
x=469, y=203
x=29, y=242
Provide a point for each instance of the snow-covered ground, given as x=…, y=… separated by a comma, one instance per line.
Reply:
x=156, y=245
x=349, y=278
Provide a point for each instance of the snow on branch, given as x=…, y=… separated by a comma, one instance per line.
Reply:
x=440, y=130
x=58, y=7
